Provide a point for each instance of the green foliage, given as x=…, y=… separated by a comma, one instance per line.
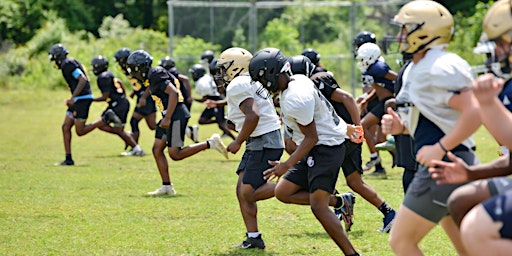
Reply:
x=279, y=35
x=240, y=40
x=467, y=33
x=19, y=19
x=114, y=27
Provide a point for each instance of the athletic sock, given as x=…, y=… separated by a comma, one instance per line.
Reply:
x=385, y=208
x=374, y=155
x=68, y=157
x=253, y=234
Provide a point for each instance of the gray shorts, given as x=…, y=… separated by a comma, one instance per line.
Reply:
x=428, y=199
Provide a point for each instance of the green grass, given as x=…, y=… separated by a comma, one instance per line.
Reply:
x=99, y=206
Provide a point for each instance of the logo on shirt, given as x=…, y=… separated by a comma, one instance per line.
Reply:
x=310, y=161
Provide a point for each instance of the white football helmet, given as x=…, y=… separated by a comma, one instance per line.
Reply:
x=367, y=54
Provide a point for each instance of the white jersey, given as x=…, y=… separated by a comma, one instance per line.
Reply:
x=205, y=86
x=242, y=88
x=433, y=81
x=301, y=103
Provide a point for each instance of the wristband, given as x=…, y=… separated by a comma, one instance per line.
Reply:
x=442, y=147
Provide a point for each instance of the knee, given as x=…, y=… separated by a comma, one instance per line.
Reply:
x=134, y=123
x=175, y=156
x=282, y=196
x=354, y=184
x=65, y=127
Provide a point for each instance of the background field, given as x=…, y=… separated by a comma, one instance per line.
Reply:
x=99, y=206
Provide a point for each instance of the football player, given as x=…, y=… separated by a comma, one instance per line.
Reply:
x=113, y=92
x=144, y=105
x=255, y=118
x=313, y=167
x=207, y=89
x=482, y=207
x=170, y=131
x=444, y=117
x=81, y=98
x=381, y=78
x=346, y=108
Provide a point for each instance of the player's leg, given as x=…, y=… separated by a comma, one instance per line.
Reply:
x=67, y=124
x=464, y=198
x=487, y=227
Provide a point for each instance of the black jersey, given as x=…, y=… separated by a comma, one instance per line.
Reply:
x=108, y=83
x=326, y=84
x=159, y=78
x=69, y=69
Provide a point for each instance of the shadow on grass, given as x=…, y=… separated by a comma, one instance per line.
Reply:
x=246, y=252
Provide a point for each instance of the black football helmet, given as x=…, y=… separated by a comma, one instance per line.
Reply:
x=58, y=53
x=138, y=64
x=361, y=38
x=121, y=56
x=167, y=63
x=197, y=71
x=265, y=67
x=99, y=64
x=301, y=64
x=213, y=67
x=364, y=37
x=312, y=54
x=208, y=56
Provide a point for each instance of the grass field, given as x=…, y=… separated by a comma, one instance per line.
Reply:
x=100, y=207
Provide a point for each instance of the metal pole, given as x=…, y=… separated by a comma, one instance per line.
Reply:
x=253, y=30
x=353, y=9
x=170, y=11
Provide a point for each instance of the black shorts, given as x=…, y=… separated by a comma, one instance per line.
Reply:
x=319, y=169
x=121, y=108
x=80, y=109
x=147, y=109
x=255, y=162
x=353, y=160
x=404, y=156
x=499, y=208
x=174, y=135
x=379, y=109
x=217, y=112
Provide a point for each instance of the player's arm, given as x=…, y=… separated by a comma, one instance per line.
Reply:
x=171, y=105
x=457, y=171
x=104, y=96
x=391, y=75
x=82, y=81
x=252, y=117
x=346, y=99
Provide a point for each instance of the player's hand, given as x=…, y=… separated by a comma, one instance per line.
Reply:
x=487, y=87
x=142, y=102
x=234, y=147
x=449, y=172
x=428, y=153
x=391, y=123
x=275, y=172
x=355, y=133
x=210, y=103
x=165, y=123
x=70, y=102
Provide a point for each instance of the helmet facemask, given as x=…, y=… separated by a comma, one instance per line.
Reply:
x=423, y=24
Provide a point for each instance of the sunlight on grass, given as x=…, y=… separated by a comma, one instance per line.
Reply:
x=100, y=207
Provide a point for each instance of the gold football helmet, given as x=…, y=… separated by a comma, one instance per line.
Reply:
x=498, y=20
x=427, y=23
x=233, y=62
